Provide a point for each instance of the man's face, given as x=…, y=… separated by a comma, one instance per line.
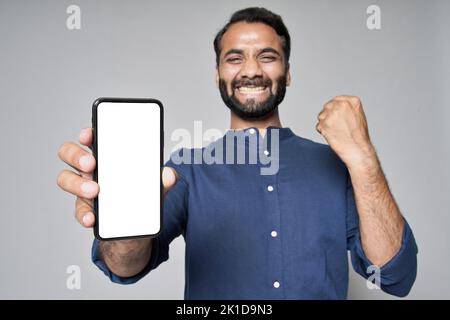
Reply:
x=252, y=74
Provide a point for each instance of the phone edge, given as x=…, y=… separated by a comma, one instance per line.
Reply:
x=95, y=105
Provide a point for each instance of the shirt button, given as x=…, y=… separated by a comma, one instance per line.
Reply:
x=276, y=284
x=274, y=234
x=269, y=188
x=252, y=131
x=266, y=152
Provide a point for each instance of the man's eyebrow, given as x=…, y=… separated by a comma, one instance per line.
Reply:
x=269, y=49
x=231, y=51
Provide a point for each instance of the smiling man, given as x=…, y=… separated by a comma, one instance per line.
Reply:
x=252, y=68
x=279, y=236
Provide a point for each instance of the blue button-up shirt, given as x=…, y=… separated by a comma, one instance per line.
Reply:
x=282, y=235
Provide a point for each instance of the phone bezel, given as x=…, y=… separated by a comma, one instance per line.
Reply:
x=95, y=106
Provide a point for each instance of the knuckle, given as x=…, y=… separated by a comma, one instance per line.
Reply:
x=355, y=99
x=344, y=104
x=62, y=149
x=326, y=121
x=80, y=210
x=79, y=217
x=61, y=178
x=319, y=127
x=321, y=115
x=76, y=153
x=333, y=102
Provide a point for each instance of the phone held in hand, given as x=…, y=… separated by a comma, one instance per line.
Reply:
x=128, y=148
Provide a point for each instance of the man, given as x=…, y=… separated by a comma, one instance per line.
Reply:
x=277, y=236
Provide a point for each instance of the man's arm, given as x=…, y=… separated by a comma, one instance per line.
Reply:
x=343, y=124
x=126, y=258
x=380, y=221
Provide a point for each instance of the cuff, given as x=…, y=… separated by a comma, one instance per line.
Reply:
x=125, y=280
x=399, y=273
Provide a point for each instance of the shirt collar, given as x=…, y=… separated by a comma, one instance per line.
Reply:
x=283, y=132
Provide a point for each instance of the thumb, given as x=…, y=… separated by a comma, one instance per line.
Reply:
x=169, y=178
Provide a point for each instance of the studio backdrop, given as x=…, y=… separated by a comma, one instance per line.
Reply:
x=57, y=57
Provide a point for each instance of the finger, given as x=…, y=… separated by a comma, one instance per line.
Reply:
x=329, y=104
x=347, y=97
x=169, y=178
x=76, y=157
x=322, y=115
x=86, y=137
x=84, y=212
x=352, y=100
x=73, y=183
x=319, y=128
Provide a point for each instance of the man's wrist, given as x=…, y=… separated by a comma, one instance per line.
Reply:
x=365, y=160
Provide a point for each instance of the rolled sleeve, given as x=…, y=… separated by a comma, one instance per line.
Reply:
x=155, y=260
x=397, y=276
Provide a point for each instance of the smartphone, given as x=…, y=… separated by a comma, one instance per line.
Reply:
x=128, y=143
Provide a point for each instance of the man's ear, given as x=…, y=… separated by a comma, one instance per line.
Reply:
x=288, y=77
x=217, y=77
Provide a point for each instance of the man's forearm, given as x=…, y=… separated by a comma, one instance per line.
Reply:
x=380, y=221
x=126, y=258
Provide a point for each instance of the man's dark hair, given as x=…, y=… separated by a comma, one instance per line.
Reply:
x=254, y=15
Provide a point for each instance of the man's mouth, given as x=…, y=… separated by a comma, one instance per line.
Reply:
x=251, y=90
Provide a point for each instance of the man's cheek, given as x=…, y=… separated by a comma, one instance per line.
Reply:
x=230, y=89
x=274, y=88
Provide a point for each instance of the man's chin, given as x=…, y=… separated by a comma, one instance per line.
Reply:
x=252, y=103
x=253, y=113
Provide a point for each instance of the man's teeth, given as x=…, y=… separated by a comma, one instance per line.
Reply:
x=251, y=89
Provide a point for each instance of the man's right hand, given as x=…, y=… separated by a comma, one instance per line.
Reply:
x=80, y=183
x=126, y=257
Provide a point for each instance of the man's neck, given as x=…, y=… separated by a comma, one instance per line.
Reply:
x=261, y=124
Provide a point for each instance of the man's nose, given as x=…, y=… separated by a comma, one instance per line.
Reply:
x=251, y=69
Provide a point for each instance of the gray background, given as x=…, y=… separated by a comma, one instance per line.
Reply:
x=50, y=75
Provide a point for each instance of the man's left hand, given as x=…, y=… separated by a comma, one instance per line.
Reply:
x=343, y=124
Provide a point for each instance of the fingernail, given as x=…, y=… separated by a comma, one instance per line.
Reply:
x=88, y=187
x=83, y=133
x=87, y=219
x=84, y=162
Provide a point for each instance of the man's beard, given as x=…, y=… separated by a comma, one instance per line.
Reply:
x=253, y=110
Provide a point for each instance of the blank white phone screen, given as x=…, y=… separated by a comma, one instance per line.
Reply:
x=128, y=169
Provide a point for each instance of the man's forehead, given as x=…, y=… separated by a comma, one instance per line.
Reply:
x=243, y=34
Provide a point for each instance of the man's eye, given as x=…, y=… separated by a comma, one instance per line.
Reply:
x=268, y=58
x=234, y=60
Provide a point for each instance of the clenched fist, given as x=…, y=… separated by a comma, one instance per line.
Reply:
x=343, y=124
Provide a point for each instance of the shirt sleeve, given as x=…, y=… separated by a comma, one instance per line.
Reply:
x=397, y=276
x=174, y=223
